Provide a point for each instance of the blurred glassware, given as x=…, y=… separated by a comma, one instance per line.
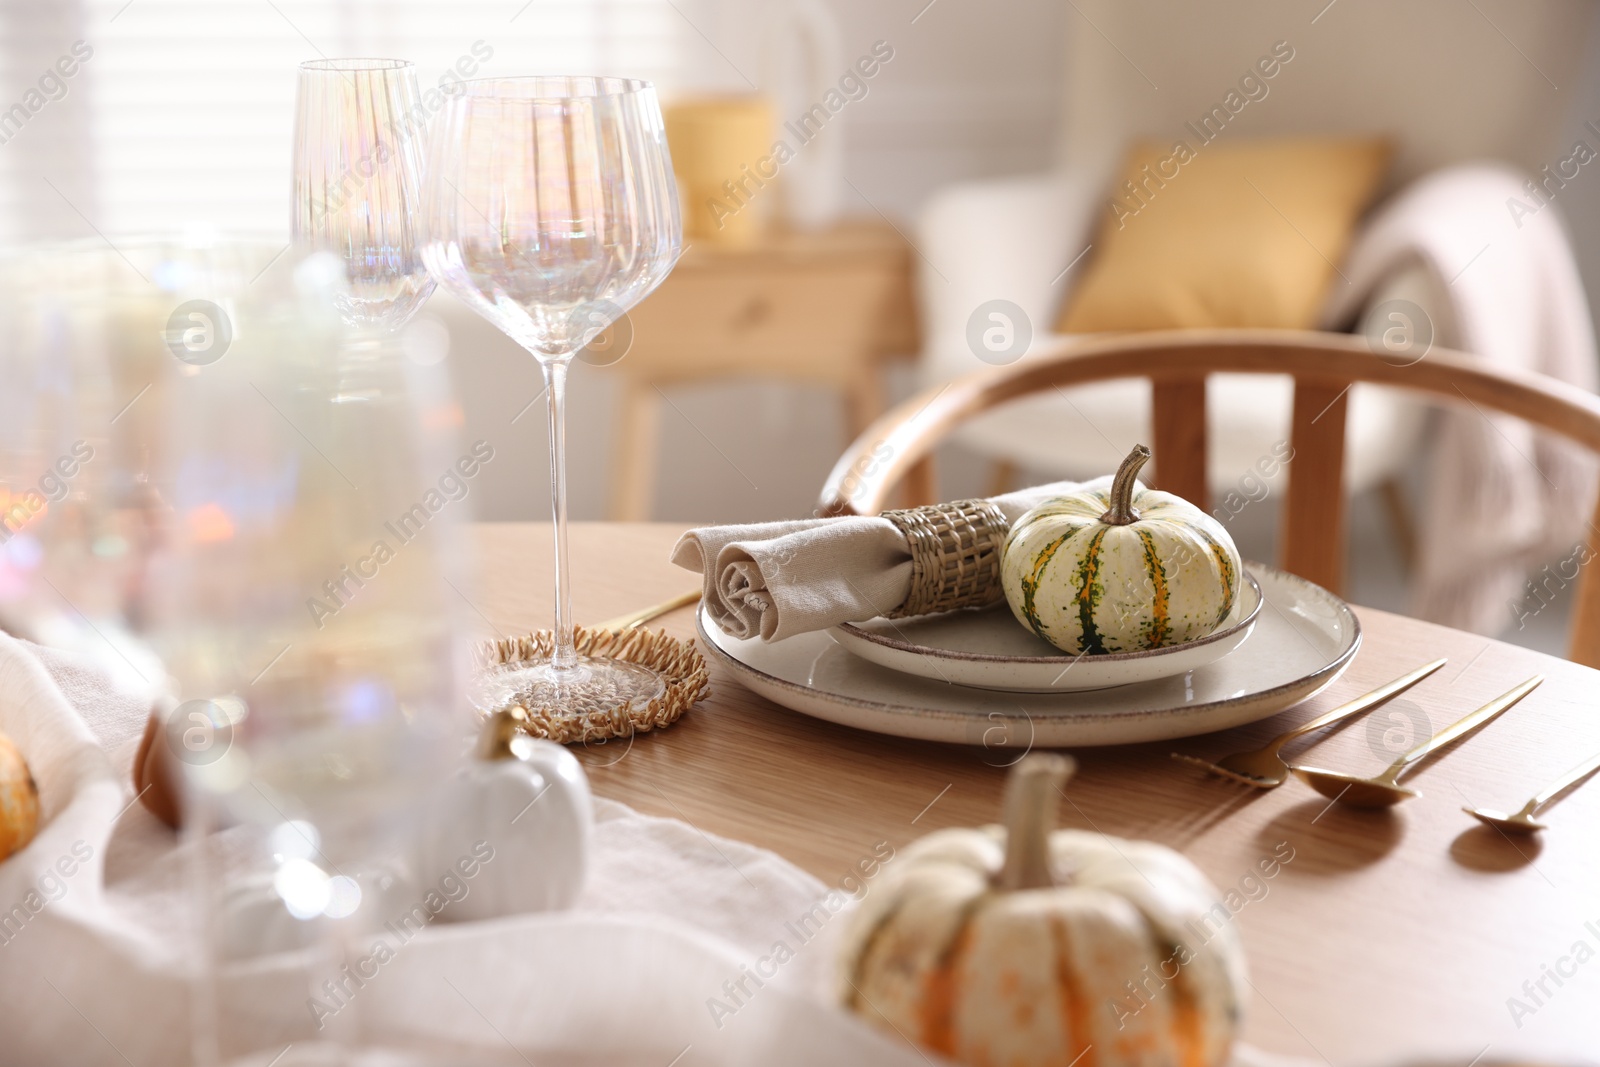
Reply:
x=551, y=211
x=86, y=361
x=309, y=558
x=358, y=182
x=315, y=492
x=208, y=489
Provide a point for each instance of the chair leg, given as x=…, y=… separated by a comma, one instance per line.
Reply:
x=1584, y=646
x=1398, y=507
x=920, y=484
x=633, y=469
x=1002, y=477
x=1312, y=538
x=863, y=397
x=1178, y=417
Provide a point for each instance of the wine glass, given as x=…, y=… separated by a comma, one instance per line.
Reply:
x=313, y=641
x=357, y=182
x=178, y=473
x=551, y=210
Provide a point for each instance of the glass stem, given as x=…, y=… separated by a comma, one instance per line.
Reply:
x=555, y=381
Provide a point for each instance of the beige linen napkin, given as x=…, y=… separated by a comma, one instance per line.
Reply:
x=776, y=579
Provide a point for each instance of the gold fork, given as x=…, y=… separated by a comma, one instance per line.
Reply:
x=1265, y=769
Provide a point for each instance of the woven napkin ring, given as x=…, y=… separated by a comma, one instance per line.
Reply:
x=955, y=555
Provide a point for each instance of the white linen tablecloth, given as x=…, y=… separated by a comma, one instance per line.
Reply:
x=97, y=945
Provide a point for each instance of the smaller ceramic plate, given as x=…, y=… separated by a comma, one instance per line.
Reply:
x=990, y=649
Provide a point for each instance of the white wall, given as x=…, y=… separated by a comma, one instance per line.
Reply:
x=1579, y=203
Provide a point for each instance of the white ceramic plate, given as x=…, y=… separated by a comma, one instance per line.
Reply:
x=990, y=649
x=1303, y=638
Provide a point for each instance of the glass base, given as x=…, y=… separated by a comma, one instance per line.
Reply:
x=591, y=685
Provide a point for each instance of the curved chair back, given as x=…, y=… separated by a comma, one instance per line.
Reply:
x=897, y=447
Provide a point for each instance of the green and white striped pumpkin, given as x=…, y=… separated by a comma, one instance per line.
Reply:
x=1120, y=570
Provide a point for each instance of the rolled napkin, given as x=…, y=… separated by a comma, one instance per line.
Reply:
x=776, y=579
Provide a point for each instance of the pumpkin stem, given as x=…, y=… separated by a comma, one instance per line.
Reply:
x=1030, y=813
x=499, y=730
x=1121, y=511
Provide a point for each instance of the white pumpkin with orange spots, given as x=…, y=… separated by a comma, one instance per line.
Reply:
x=1021, y=947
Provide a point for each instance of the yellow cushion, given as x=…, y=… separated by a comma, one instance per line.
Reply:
x=1240, y=234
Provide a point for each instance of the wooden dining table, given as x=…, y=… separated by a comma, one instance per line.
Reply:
x=1403, y=935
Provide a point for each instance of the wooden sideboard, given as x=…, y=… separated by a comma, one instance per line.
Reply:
x=825, y=307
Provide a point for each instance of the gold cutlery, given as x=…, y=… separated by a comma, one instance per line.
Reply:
x=1385, y=790
x=1265, y=769
x=1523, y=821
x=644, y=615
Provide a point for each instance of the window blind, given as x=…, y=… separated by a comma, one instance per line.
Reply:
x=182, y=115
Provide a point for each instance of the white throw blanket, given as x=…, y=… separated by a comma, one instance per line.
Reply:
x=96, y=932
x=1502, y=499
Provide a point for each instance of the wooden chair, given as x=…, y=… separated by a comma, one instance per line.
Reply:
x=1137, y=70
x=898, y=447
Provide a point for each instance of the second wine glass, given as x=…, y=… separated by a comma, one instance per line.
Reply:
x=358, y=182
x=551, y=210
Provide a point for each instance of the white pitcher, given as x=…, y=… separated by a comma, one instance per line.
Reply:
x=802, y=59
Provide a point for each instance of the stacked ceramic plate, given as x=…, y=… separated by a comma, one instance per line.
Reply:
x=978, y=677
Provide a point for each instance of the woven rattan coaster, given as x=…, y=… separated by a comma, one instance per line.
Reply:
x=677, y=661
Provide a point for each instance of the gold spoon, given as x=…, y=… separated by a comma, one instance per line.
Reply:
x=1523, y=821
x=1265, y=769
x=1385, y=790
x=644, y=615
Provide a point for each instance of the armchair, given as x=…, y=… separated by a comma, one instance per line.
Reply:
x=1447, y=82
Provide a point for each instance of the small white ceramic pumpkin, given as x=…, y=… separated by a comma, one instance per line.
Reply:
x=1122, y=570
x=525, y=804
x=1024, y=947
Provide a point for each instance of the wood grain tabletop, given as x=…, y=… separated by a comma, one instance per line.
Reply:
x=1385, y=937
